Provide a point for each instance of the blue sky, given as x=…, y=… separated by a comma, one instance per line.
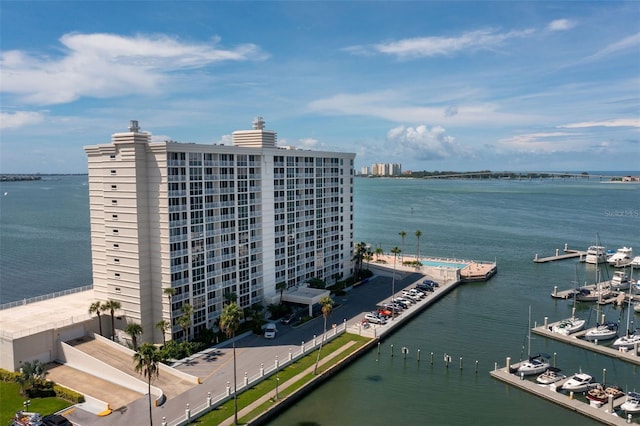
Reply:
x=431, y=85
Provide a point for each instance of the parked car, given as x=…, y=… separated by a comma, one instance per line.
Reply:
x=55, y=420
x=270, y=331
x=374, y=319
x=289, y=318
x=425, y=287
x=410, y=296
x=431, y=283
x=384, y=312
x=404, y=304
x=393, y=307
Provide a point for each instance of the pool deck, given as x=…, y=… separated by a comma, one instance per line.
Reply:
x=439, y=267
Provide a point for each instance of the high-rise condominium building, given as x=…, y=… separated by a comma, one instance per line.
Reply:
x=211, y=220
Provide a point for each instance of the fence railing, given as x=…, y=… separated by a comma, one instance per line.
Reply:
x=44, y=297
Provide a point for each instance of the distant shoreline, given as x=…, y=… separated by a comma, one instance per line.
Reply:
x=38, y=176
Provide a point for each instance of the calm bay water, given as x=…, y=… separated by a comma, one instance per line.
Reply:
x=45, y=247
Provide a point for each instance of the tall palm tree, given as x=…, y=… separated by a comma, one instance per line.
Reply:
x=418, y=235
x=379, y=251
x=169, y=292
x=164, y=326
x=147, y=360
x=185, y=319
x=403, y=234
x=360, y=252
x=112, y=306
x=96, y=308
x=134, y=330
x=327, y=307
x=229, y=323
x=395, y=252
x=281, y=287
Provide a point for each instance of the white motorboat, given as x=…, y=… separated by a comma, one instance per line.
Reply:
x=632, y=403
x=579, y=382
x=600, y=332
x=621, y=258
x=620, y=281
x=635, y=261
x=596, y=254
x=550, y=376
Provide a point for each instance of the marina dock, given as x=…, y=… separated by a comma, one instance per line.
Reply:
x=575, y=340
x=567, y=254
x=601, y=414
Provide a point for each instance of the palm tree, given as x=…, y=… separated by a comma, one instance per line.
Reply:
x=359, y=254
x=185, y=319
x=379, y=251
x=169, y=292
x=403, y=234
x=327, y=307
x=395, y=252
x=163, y=326
x=134, y=330
x=112, y=306
x=418, y=235
x=281, y=287
x=96, y=308
x=229, y=323
x=147, y=360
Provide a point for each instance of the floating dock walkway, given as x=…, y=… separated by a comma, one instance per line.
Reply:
x=568, y=254
x=575, y=340
x=602, y=414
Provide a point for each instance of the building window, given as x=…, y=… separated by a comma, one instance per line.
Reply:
x=116, y=260
x=118, y=289
x=114, y=202
x=112, y=156
x=114, y=187
x=116, y=246
x=115, y=231
x=117, y=275
x=114, y=216
x=113, y=172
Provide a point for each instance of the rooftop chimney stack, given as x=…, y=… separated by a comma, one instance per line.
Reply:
x=133, y=126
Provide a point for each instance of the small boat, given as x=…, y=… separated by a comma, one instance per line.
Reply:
x=591, y=293
x=632, y=403
x=601, y=394
x=579, y=382
x=606, y=331
x=596, y=254
x=568, y=326
x=621, y=258
x=535, y=364
x=629, y=340
x=620, y=281
x=635, y=261
x=550, y=376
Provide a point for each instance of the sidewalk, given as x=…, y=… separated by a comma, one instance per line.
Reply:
x=245, y=411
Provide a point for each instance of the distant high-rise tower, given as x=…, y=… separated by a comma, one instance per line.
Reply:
x=211, y=220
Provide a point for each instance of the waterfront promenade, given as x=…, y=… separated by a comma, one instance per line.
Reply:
x=253, y=352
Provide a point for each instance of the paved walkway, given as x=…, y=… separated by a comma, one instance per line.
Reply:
x=247, y=410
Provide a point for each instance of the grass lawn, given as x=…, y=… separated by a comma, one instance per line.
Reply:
x=267, y=386
x=11, y=401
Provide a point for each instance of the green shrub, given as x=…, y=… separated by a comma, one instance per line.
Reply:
x=68, y=394
x=8, y=376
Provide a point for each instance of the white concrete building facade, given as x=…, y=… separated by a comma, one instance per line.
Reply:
x=210, y=220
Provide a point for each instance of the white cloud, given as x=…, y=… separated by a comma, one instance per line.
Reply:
x=440, y=46
x=19, y=119
x=561, y=25
x=422, y=143
x=541, y=142
x=627, y=43
x=394, y=106
x=619, y=122
x=109, y=65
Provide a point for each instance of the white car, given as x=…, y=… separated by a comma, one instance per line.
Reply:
x=270, y=331
x=374, y=319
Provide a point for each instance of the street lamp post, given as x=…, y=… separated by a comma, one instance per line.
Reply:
x=277, y=381
x=26, y=404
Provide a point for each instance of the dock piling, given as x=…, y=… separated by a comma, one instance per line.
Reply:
x=418, y=355
x=508, y=363
x=604, y=377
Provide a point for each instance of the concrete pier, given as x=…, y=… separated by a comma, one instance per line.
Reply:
x=566, y=254
x=601, y=414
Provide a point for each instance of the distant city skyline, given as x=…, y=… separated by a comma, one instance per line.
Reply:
x=544, y=86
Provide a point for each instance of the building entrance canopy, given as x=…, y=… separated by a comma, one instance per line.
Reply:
x=305, y=296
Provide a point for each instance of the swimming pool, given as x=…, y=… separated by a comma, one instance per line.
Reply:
x=444, y=263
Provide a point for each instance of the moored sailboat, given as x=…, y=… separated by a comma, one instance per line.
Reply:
x=535, y=364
